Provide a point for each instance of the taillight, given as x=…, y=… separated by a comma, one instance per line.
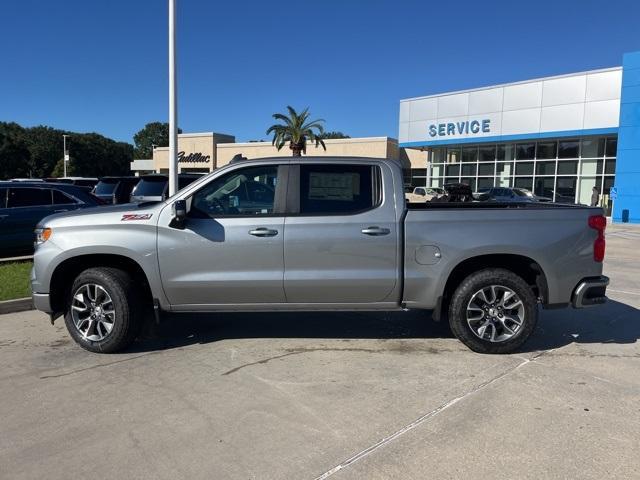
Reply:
x=599, y=223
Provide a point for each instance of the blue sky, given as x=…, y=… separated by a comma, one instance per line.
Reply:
x=101, y=65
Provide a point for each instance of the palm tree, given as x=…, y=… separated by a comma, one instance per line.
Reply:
x=297, y=130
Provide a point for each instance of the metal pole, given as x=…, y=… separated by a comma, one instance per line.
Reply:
x=65, y=157
x=173, y=104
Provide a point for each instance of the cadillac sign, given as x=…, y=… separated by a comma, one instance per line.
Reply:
x=193, y=158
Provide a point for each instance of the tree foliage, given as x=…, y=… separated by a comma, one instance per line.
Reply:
x=38, y=152
x=296, y=129
x=333, y=134
x=154, y=133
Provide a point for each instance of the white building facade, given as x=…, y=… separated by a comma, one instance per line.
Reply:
x=556, y=136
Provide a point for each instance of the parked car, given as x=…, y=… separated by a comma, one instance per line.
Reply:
x=26, y=180
x=79, y=181
x=424, y=194
x=507, y=194
x=155, y=187
x=300, y=234
x=115, y=189
x=24, y=204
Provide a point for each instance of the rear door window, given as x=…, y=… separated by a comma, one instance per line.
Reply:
x=28, y=197
x=106, y=188
x=60, y=198
x=338, y=189
x=150, y=187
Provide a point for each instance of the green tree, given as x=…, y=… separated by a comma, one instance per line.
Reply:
x=15, y=160
x=296, y=129
x=333, y=134
x=154, y=133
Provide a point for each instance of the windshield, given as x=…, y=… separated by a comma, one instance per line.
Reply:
x=106, y=187
x=150, y=187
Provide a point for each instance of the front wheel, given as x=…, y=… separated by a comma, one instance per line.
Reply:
x=103, y=313
x=493, y=311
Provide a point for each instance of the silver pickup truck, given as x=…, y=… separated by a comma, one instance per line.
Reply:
x=300, y=234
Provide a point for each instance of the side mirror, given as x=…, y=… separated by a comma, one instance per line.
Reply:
x=179, y=214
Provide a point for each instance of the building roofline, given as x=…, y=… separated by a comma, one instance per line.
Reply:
x=521, y=82
x=326, y=140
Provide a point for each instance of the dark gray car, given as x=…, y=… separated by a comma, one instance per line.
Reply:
x=155, y=187
x=24, y=204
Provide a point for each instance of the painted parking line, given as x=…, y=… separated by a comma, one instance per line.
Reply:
x=623, y=291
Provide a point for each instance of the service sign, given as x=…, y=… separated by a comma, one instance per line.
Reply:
x=467, y=127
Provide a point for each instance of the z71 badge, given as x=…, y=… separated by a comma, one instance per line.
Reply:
x=136, y=216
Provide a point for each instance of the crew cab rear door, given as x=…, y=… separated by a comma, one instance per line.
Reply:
x=341, y=234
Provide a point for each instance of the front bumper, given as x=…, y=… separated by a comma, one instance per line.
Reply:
x=590, y=292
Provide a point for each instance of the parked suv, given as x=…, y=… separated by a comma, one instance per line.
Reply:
x=155, y=188
x=87, y=182
x=24, y=204
x=506, y=194
x=115, y=189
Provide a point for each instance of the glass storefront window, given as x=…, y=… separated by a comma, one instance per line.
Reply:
x=471, y=182
x=544, y=187
x=525, y=151
x=485, y=182
x=610, y=166
x=437, y=155
x=547, y=150
x=589, y=167
x=592, y=148
x=608, y=183
x=469, y=170
x=453, y=155
x=486, y=168
x=437, y=170
x=546, y=168
x=612, y=147
x=436, y=182
x=487, y=153
x=470, y=154
x=566, y=190
x=453, y=170
x=524, y=182
x=567, y=167
x=419, y=172
x=506, y=152
x=569, y=149
x=524, y=168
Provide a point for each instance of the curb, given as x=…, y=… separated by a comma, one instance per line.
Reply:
x=17, y=305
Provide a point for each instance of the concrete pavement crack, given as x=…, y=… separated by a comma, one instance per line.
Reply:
x=420, y=420
x=92, y=367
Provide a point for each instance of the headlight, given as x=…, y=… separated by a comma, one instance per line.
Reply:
x=42, y=235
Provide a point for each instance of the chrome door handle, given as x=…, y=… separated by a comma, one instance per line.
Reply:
x=376, y=231
x=263, y=232
x=62, y=210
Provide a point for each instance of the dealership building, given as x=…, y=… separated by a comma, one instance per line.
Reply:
x=557, y=136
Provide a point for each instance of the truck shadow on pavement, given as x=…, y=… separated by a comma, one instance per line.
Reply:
x=614, y=322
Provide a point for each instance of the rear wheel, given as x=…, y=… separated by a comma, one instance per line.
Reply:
x=103, y=314
x=493, y=311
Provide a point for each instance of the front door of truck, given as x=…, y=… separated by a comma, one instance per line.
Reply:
x=341, y=239
x=231, y=248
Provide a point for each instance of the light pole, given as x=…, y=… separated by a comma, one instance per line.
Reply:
x=173, y=104
x=66, y=153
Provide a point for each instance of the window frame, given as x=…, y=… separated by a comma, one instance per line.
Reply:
x=293, y=190
x=30, y=187
x=279, y=204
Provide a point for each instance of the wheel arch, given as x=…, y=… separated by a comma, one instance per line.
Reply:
x=523, y=266
x=64, y=274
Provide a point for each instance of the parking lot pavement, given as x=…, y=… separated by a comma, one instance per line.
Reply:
x=344, y=396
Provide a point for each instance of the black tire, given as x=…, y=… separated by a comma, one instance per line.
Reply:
x=128, y=309
x=484, y=279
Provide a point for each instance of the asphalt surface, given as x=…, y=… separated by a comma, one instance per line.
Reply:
x=340, y=396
